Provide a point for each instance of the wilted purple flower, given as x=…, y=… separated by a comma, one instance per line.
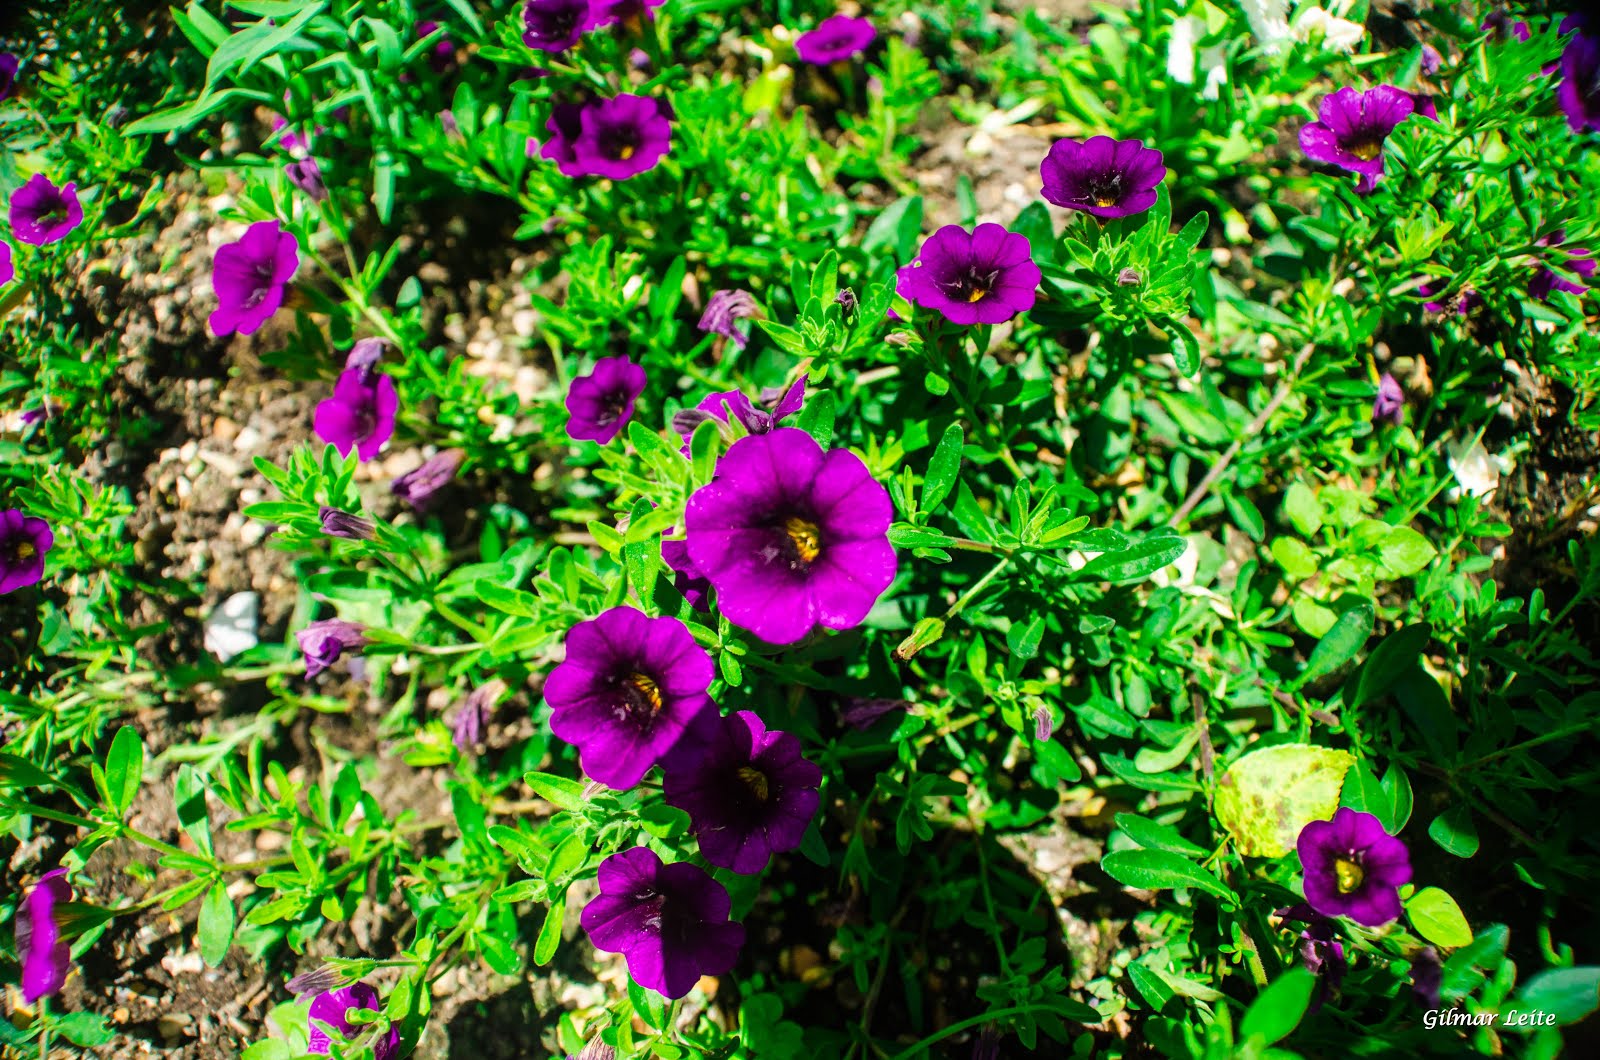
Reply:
x=669, y=921
x=333, y=1008
x=687, y=578
x=792, y=538
x=1575, y=260
x=723, y=308
x=360, y=415
x=39, y=413
x=44, y=954
x=624, y=12
x=1389, y=406
x=1102, y=177
x=472, y=719
x=418, y=486
x=42, y=213
x=986, y=1046
x=451, y=127
x=601, y=403
x=862, y=714
x=249, y=277
x=8, y=271
x=1043, y=723
x=24, y=540
x=834, y=40
x=1353, y=868
x=1498, y=24
x=365, y=355
x=847, y=302
x=749, y=792
x=319, y=980
x=1321, y=952
x=323, y=642
x=1579, y=90
x=985, y=276
x=595, y=1050
x=1465, y=301
x=8, y=74
x=555, y=25
x=729, y=405
x=1432, y=60
x=306, y=174
x=1427, y=978
x=336, y=523
x=1353, y=126
x=627, y=691
x=1129, y=277
x=443, y=52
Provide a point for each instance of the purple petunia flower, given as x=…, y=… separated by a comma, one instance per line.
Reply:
x=1353, y=867
x=1427, y=978
x=336, y=523
x=623, y=12
x=627, y=691
x=1353, y=126
x=861, y=714
x=985, y=276
x=323, y=642
x=418, y=486
x=1321, y=952
x=42, y=213
x=834, y=40
x=249, y=277
x=443, y=52
x=723, y=308
x=555, y=25
x=688, y=579
x=9, y=65
x=1498, y=24
x=1389, y=405
x=791, y=537
x=306, y=174
x=623, y=136
x=1432, y=60
x=44, y=954
x=729, y=405
x=333, y=1009
x=1575, y=260
x=1102, y=177
x=360, y=415
x=748, y=792
x=1579, y=90
x=8, y=271
x=669, y=921
x=595, y=1050
x=601, y=403
x=24, y=540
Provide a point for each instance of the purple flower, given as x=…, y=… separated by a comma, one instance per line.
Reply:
x=306, y=174
x=790, y=537
x=625, y=694
x=723, y=308
x=1044, y=723
x=1389, y=406
x=1432, y=60
x=418, y=486
x=360, y=415
x=601, y=403
x=24, y=540
x=472, y=720
x=669, y=921
x=626, y=12
x=1353, y=868
x=1579, y=90
x=728, y=405
x=985, y=276
x=44, y=954
x=618, y=138
x=555, y=25
x=1320, y=950
x=8, y=74
x=1427, y=978
x=323, y=642
x=333, y=1009
x=319, y=980
x=687, y=578
x=835, y=40
x=1465, y=301
x=336, y=523
x=1353, y=127
x=39, y=413
x=1102, y=177
x=1547, y=281
x=595, y=1050
x=748, y=792
x=443, y=52
x=1498, y=24
x=986, y=1046
x=8, y=271
x=249, y=277
x=862, y=714
x=42, y=213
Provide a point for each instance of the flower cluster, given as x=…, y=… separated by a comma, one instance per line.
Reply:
x=556, y=25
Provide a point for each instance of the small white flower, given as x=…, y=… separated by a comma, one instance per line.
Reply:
x=1180, y=49
x=1337, y=34
x=1269, y=21
x=1477, y=472
x=231, y=628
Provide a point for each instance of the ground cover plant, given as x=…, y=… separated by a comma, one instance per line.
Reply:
x=686, y=528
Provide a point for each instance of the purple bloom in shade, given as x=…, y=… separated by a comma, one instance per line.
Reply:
x=306, y=174
x=1320, y=950
x=472, y=719
x=986, y=1046
x=1432, y=60
x=8, y=271
x=319, y=980
x=1579, y=90
x=601, y=403
x=333, y=1009
x=565, y=126
x=1043, y=723
x=44, y=954
x=620, y=137
x=723, y=308
x=336, y=523
x=323, y=642
x=748, y=792
x=1102, y=177
x=862, y=714
x=1498, y=23
x=418, y=486
x=1465, y=301
x=669, y=921
x=24, y=540
x=1423, y=106
x=626, y=12
x=627, y=691
x=443, y=51
x=555, y=25
x=1389, y=406
x=1353, y=126
x=360, y=415
x=985, y=276
x=42, y=213
x=792, y=537
x=249, y=277
x=1427, y=978
x=8, y=74
x=1353, y=868
x=835, y=40
x=1547, y=281
x=687, y=578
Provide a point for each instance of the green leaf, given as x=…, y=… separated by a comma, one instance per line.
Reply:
x=550, y=932
x=189, y=799
x=1185, y=347
x=1364, y=794
x=1391, y=659
x=1568, y=994
x=942, y=468
x=1267, y=796
x=88, y=1029
x=1406, y=552
x=567, y=794
x=18, y=772
x=217, y=919
x=1278, y=1009
x=1160, y=869
x=1136, y=563
x=1340, y=644
x=1302, y=509
x=817, y=417
x=1156, y=836
x=1437, y=918
x=124, y=768
x=1455, y=831
x=271, y=1049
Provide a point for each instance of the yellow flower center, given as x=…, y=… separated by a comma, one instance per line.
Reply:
x=756, y=781
x=648, y=690
x=977, y=294
x=805, y=536
x=1105, y=202
x=25, y=551
x=625, y=152
x=1348, y=874
x=1366, y=150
